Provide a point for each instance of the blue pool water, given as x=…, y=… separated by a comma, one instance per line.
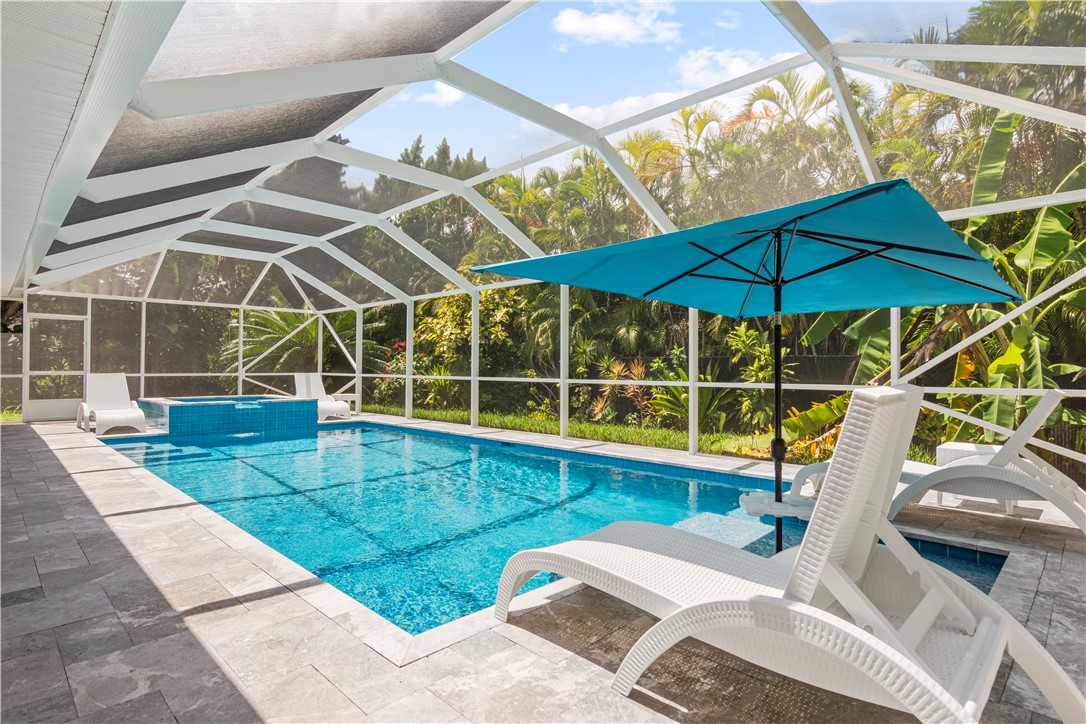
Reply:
x=417, y=526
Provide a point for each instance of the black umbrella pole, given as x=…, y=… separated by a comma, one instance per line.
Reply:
x=777, y=449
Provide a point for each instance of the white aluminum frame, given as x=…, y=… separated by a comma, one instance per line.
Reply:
x=187, y=96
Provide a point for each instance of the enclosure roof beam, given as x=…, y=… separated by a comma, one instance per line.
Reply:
x=530, y=109
x=134, y=242
x=259, y=232
x=1077, y=196
x=227, y=251
x=180, y=97
x=168, y=175
x=86, y=230
x=73, y=271
x=1028, y=55
x=1002, y=102
x=797, y=22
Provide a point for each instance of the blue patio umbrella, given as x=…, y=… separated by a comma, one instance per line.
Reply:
x=880, y=245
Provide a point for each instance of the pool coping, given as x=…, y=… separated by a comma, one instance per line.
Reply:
x=402, y=648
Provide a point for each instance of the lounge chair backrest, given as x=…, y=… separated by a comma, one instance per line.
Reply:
x=858, y=487
x=1029, y=427
x=309, y=385
x=107, y=391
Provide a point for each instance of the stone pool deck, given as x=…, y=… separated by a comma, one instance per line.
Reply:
x=124, y=600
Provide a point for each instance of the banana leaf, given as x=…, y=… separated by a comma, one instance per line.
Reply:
x=814, y=420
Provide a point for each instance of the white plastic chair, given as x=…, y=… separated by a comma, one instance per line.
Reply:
x=308, y=385
x=874, y=622
x=1007, y=472
x=108, y=405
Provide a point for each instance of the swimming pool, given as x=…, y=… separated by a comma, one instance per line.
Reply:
x=417, y=526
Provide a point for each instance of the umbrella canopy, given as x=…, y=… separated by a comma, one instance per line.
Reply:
x=881, y=245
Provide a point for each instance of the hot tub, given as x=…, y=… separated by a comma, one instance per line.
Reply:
x=243, y=414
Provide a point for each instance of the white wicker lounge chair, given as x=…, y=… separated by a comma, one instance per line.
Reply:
x=108, y=405
x=874, y=622
x=1007, y=472
x=309, y=385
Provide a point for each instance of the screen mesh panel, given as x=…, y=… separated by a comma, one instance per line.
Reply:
x=115, y=326
x=334, y=183
x=275, y=217
x=56, y=344
x=217, y=38
x=940, y=155
x=11, y=354
x=276, y=290
x=297, y=354
x=433, y=126
x=139, y=142
x=182, y=338
x=378, y=251
x=337, y=276
x=228, y=37
x=127, y=279
x=204, y=278
x=457, y=234
x=903, y=21
x=52, y=304
x=232, y=241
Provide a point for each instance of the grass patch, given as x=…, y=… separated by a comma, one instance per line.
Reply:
x=719, y=443
x=12, y=414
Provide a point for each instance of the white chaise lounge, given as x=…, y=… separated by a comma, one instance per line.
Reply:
x=1007, y=472
x=108, y=405
x=308, y=385
x=874, y=622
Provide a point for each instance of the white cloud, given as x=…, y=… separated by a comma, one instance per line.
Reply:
x=599, y=116
x=442, y=95
x=708, y=66
x=728, y=19
x=619, y=24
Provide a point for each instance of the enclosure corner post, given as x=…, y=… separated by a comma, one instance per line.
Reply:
x=693, y=360
x=475, y=333
x=358, y=331
x=563, y=362
x=895, y=344
x=241, y=349
x=409, y=362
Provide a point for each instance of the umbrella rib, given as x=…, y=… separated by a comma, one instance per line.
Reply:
x=731, y=279
x=689, y=272
x=750, y=289
x=827, y=237
x=839, y=263
x=724, y=259
x=677, y=277
x=951, y=277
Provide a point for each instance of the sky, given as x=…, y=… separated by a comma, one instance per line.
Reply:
x=600, y=62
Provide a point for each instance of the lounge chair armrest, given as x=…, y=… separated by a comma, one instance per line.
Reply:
x=82, y=416
x=808, y=471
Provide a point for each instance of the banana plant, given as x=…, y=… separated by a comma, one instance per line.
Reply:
x=1047, y=254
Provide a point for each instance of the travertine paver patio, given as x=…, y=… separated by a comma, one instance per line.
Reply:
x=125, y=601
